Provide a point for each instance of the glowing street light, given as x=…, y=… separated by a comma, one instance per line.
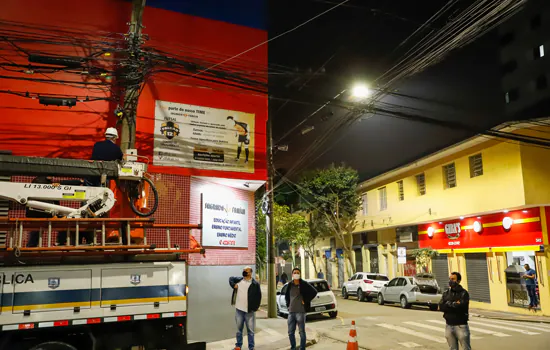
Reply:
x=360, y=91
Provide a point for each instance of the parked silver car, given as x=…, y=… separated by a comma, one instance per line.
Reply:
x=419, y=290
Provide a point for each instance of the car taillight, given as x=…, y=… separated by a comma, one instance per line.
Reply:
x=415, y=289
x=368, y=281
x=332, y=306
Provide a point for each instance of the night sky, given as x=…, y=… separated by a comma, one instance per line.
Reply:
x=362, y=38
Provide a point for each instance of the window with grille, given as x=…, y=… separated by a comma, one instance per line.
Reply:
x=476, y=165
x=400, y=190
x=383, y=198
x=449, y=174
x=421, y=184
x=365, y=204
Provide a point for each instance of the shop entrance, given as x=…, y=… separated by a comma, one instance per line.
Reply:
x=440, y=268
x=374, y=260
x=478, y=277
x=516, y=289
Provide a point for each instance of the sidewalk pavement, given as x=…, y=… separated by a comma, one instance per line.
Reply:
x=509, y=316
x=271, y=334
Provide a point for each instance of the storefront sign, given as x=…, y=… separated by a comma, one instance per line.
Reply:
x=225, y=223
x=510, y=229
x=204, y=138
x=401, y=255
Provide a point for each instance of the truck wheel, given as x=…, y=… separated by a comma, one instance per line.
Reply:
x=333, y=314
x=54, y=345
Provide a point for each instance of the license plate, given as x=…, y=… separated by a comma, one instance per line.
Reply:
x=320, y=308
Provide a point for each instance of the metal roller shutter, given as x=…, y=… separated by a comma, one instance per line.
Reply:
x=478, y=277
x=358, y=260
x=440, y=269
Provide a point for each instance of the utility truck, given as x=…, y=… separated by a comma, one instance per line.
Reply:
x=97, y=294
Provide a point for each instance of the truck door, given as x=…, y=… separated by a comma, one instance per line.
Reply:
x=134, y=286
x=52, y=290
x=1, y=291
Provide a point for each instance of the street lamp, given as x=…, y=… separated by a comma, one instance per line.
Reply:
x=360, y=91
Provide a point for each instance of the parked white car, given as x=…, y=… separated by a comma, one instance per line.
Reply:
x=419, y=290
x=364, y=285
x=324, y=302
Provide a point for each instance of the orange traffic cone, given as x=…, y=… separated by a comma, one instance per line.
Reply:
x=352, y=342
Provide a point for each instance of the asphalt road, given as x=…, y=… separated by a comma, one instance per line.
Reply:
x=390, y=327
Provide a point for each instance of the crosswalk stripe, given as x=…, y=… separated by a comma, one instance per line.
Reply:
x=272, y=332
x=511, y=329
x=413, y=332
x=410, y=345
x=530, y=325
x=475, y=329
x=433, y=328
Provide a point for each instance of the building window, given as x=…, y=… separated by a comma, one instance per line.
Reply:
x=538, y=52
x=365, y=204
x=506, y=39
x=449, y=174
x=421, y=184
x=476, y=165
x=511, y=96
x=509, y=67
x=383, y=198
x=541, y=82
x=400, y=190
x=536, y=22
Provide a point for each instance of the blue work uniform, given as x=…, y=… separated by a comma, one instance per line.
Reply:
x=106, y=150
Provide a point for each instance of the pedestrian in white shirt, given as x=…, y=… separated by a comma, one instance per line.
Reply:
x=246, y=297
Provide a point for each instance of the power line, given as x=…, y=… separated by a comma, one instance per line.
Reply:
x=275, y=37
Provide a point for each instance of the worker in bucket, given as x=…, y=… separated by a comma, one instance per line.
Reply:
x=107, y=149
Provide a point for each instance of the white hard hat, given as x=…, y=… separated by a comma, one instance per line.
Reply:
x=111, y=132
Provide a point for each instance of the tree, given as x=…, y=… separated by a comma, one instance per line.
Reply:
x=423, y=257
x=318, y=229
x=287, y=226
x=331, y=195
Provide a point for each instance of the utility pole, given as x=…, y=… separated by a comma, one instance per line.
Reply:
x=272, y=288
x=133, y=77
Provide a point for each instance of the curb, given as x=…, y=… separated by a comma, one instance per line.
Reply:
x=503, y=318
x=328, y=336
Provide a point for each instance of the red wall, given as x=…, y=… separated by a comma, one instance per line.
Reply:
x=31, y=129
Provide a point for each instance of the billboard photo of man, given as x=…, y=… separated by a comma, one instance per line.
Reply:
x=241, y=132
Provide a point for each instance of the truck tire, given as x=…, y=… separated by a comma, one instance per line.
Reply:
x=54, y=345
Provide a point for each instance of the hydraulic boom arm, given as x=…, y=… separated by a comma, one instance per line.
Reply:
x=96, y=201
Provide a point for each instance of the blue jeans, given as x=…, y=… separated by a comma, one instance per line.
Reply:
x=532, y=291
x=456, y=334
x=241, y=318
x=297, y=318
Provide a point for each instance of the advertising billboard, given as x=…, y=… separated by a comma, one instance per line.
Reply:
x=200, y=137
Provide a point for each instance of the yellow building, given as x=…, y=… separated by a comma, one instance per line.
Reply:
x=460, y=202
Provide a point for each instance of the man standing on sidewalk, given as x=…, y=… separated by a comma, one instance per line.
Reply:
x=454, y=304
x=298, y=297
x=531, y=284
x=247, y=296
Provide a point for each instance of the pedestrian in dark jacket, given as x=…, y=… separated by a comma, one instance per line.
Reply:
x=247, y=296
x=454, y=304
x=284, y=278
x=298, y=297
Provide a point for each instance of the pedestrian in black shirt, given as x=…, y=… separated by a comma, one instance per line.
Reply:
x=455, y=303
x=298, y=297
